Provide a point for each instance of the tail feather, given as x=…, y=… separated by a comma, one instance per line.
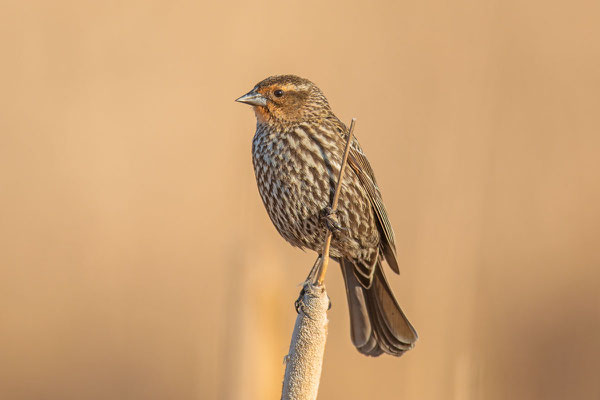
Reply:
x=364, y=273
x=377, y=323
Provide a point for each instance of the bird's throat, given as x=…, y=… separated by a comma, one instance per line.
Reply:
x=262, y=114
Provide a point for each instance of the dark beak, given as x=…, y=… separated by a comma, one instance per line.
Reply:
x=253, y=98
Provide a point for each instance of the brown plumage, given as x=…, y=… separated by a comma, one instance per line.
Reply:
x=297, y=151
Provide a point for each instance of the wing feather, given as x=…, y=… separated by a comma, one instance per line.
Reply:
x=361, y=167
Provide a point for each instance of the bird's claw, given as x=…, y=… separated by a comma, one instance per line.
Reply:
x=330, y=218
x=299, y=304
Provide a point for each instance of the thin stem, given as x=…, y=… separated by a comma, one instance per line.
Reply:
x=334, y=204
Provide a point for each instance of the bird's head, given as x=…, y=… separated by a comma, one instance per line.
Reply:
x=286, y=100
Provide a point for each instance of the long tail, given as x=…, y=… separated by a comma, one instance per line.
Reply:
x=377, y=324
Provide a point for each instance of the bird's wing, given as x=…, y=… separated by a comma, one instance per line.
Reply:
x=360, y=165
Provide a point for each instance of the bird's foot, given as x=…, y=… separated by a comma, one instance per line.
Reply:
x=330, y=219
x=299, y=304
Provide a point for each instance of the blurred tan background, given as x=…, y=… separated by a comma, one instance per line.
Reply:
x=137, y=261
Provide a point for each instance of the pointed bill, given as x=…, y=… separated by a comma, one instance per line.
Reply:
x=253, y=98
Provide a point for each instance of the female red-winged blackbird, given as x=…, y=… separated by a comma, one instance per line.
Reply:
x=297, y=152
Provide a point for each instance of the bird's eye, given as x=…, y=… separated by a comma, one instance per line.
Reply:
x=278, y=93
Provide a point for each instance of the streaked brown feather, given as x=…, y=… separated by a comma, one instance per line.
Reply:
x=363, y=170
x=359, y=163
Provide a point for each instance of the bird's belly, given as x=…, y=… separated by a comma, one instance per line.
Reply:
x=296, y=186
x=294, y=203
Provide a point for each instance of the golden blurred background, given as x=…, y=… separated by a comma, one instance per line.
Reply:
x=137, y=261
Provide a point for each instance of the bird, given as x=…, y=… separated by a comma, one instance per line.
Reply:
x=297, y=153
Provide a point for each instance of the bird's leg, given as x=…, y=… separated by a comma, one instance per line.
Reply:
x=313, y=271
x=309, y=279
x=330, y=219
